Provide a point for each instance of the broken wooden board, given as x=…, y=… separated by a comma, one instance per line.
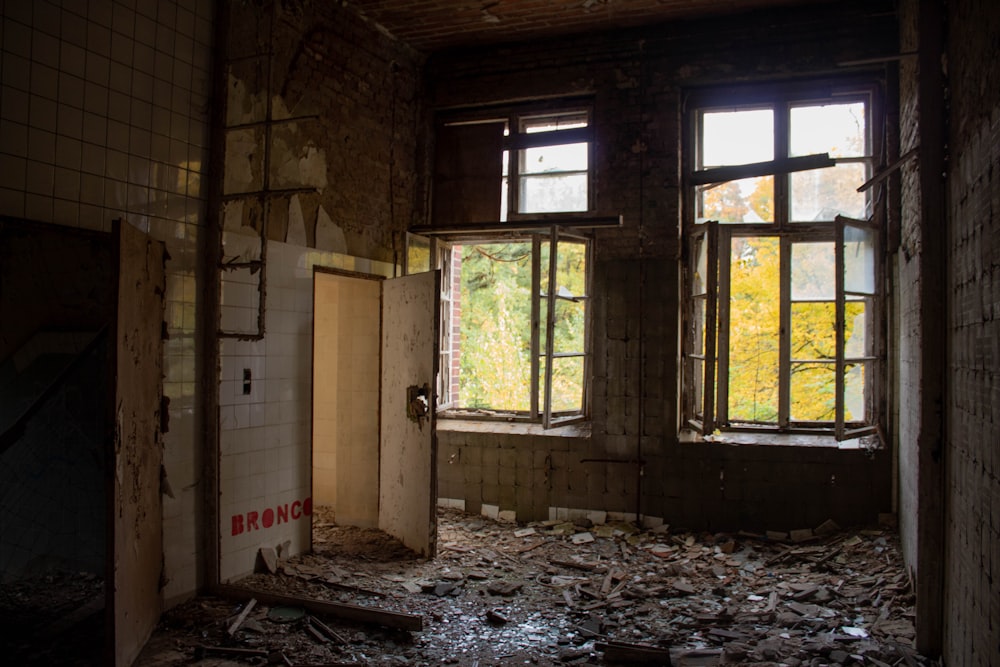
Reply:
x=634, y=654
x=351, y=612
x=247, y=608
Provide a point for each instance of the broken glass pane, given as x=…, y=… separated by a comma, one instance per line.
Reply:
x=823, y=194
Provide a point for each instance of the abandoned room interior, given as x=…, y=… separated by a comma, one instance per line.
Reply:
x=670, y=274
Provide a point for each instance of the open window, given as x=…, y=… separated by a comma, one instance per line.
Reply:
x=514, y=326
x=782, y=273
x=512, y=201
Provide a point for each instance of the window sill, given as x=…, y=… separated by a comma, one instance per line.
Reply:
x=574, y=430
x=766, y=439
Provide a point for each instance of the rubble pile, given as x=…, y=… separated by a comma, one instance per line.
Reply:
x=566, y=593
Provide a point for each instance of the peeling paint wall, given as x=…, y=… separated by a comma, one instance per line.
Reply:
x=321, y=160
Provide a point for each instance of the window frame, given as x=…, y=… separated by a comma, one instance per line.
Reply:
x=542, y=356
x=510, y=224
x=705, y=364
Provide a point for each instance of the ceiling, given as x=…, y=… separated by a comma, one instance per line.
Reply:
x=434, y=25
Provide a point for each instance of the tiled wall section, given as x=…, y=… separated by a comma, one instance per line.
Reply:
x=266, y=457
x=104, y=114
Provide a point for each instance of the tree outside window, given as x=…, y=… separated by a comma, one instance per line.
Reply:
x=776, y=336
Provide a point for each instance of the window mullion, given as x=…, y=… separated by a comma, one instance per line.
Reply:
x=782, y=199
x=536, y=291
x=513, y=167
x=785, y=332
x=725, y=252
x=839, y=318
x=711, y=312
x=550, y=323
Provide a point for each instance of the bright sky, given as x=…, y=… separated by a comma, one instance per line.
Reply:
x=741, y=137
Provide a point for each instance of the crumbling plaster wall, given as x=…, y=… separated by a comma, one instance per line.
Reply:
x=104, y=114
x=637, y=79
x=324, y=132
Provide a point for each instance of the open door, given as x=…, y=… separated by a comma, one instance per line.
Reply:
x=136, y=535
x=407, y=443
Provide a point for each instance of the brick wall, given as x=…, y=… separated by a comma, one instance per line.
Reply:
x=637, y=81
x=972, y=519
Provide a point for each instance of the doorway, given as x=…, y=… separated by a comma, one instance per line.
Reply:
x=374, y=451
x=80, y=399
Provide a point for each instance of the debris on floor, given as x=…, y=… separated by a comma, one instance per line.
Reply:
x=559, y=593
x=55, y=617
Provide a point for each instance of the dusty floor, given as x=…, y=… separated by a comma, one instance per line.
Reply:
x=565, y=594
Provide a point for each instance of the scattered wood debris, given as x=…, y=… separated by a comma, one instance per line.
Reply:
x=500, y=593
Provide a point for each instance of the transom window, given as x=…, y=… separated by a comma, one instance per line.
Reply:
x=782, y=306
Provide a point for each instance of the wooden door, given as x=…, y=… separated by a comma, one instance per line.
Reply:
x=136, y=534
x=407, y=444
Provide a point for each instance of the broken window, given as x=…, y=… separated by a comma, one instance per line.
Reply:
x=514, y=327
x=782, y=307
x=510, y=186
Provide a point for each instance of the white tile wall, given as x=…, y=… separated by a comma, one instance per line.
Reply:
x=103, y=114
x=266, y=446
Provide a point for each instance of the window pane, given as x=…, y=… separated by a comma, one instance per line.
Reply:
x=859, y=259
x=745, y=200
x=698, y=386
x=545, y=159
x=856, y=341
x=699, y=251
x=567, y=384
x=822, y=194
x=552, y=194
x=495, y=326
x=754, y=326
x=567, y=121
x=418, y=254
x=813, y=331
x=698, y=326
x=813, y=271
x=568, y=329
x=571, y=269
x=855, y=377
x=813, y=392
x=736, y=137
x=837, y=129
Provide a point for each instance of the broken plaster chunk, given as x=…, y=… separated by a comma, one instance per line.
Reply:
x=507, y=516
x=582, y=538
x=490, y=511
x=329, y=236
x=827, y=527
x=270, y=558
x=495, y=617
x=296, y=234
x=801, y=535
x=684, y=588
x=524, y=532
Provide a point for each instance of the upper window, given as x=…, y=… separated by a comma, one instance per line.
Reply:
x=782, y=306
x=551, y=168
x=492, y=166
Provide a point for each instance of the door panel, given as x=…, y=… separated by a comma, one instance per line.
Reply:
x=136, y=512
x=408, y=447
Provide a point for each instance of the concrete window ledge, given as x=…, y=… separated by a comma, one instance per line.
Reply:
x=577, y=430
x=780, y=440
